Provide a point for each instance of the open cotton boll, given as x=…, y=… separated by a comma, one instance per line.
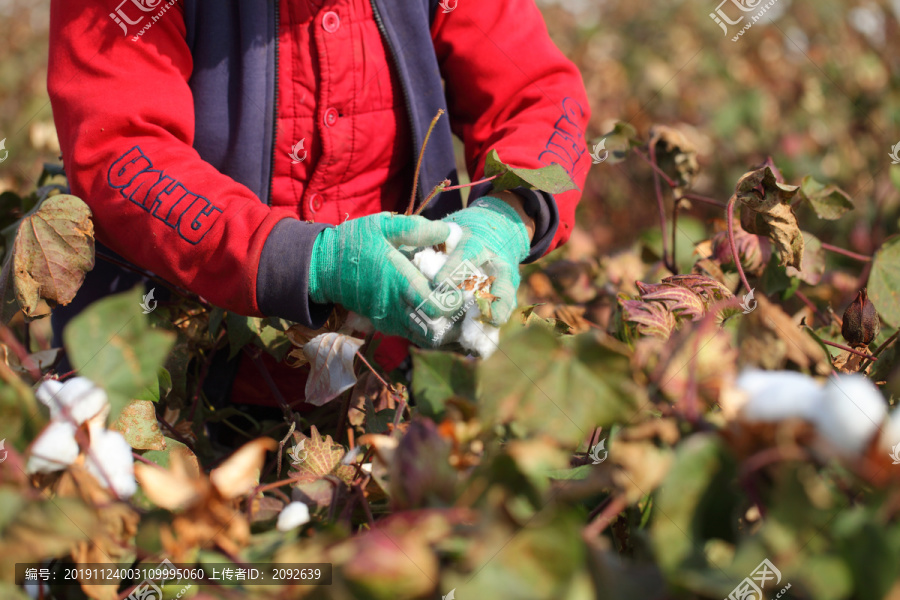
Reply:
x=429, y=261
x=81, y=396
x=54, y=449
x=109, y=460
x=478, y=336
x=778, y=395
x=293, y=515
x=890, y=435
x=851, y=411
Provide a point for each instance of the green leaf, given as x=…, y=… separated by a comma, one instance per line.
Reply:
x=812, y=266
x=439, y=376
x=829, y=201
x=241, y=331
x=154, y=393
x=138, y=425
x=884, y=281
x=112, y=344
x=172, y=447
x=552, y=179
x=561, y=387
x=54, y=250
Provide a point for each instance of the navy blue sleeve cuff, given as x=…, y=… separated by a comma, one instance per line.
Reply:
x=282, y=282
x=538, y=205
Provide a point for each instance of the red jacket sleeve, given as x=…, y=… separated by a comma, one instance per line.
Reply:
x=509, y=88
x=125, y=117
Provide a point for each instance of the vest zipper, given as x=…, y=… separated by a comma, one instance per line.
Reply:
x=416, y=144
x=274, y=106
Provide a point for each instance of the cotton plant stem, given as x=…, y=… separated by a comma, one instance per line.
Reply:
x=881, y=349
x=729, y=216
x=609, y=514
x=809, y=303
x=656, y=168
x=661, y=206
x=674, y=232
x=703, y=199
x=412, y=199
x=847, y=253
x=445, y=186
x=849, y=349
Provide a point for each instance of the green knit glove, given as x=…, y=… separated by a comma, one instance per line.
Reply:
x=495, y=240
x=358, y=265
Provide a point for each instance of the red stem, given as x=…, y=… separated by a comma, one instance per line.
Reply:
x=847, y=253
x=465, y=185
x=703, y=199
x=850, y=350
x=729, y=216
x=652, y=163
x=661, y=206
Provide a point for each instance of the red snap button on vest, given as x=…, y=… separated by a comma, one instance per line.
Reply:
x=331, y=116
x=331, y=22
x=315, y=202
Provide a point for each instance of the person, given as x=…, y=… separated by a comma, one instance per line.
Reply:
x=256, y=152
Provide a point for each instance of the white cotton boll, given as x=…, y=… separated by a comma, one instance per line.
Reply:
x=83, y=398
x=454, y=238
x=429, y=262
x=359, y=323
x=109, y=460
x=476, y=336
x=890, y=435
x=54, y=449
x=851, y=411
x=778, y=395
x=293, y=515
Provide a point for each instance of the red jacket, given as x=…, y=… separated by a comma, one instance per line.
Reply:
x=126, y=117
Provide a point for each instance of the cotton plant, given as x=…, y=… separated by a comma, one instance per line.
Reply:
x=79, y=402
x=847, y=410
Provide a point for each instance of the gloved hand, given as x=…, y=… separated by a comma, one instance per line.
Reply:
x=495, y=240
x=358, y=265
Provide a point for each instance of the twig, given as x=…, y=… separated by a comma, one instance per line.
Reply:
x=662, y=173
x=615, y=506
x=146, y=461
x=880, y=349
x=703, y=199
x=283, y=442
x=465, y=185
x=847, y=253
x=445, y=186
x=674, y=230
x=365, y=503
x=374, y=372
x=661, y=206
x=729, y=216
x=204, y=371
x=175, y=433
x=849, y=349
x=412, y=199
x=816, y=312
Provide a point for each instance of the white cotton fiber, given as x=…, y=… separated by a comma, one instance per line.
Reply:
x=851, y=412
x=109, y=460
x=454, y=238
x=53, y=450
x=79, y=395
x=429, y=262
x=890, y=435
x=476, y=336
x=778, y=395
x=293, y=515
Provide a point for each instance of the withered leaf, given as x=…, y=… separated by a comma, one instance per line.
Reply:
x=54, y=250
x=675, y=155
x=770, y=214
x=331, y=357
